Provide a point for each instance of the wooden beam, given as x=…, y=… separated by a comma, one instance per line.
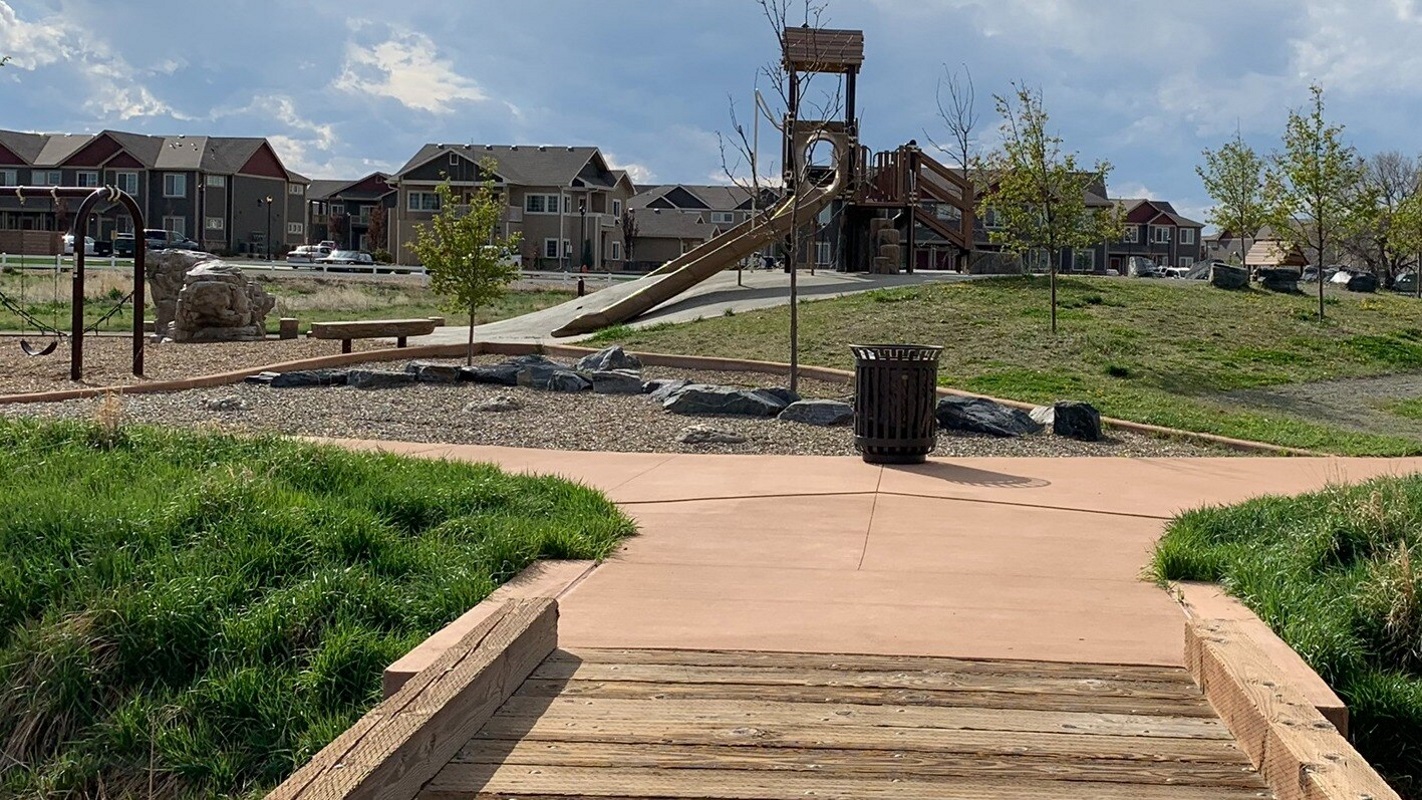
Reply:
x=403, y=742
x=1297, y=750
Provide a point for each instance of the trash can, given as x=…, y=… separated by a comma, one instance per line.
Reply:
x=895, y=402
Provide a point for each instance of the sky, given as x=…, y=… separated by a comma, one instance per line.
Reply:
x=346, y=88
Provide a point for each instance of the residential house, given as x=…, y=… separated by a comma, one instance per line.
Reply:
x=705, y=211
x=341, y=210
x=229, y=193
x=554, y=197
x=1227, y=246
x=664, y=234
x=1155, y=230
x=987, y=256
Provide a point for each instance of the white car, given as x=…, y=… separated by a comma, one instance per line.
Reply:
x=89, y=249
x=307, y=254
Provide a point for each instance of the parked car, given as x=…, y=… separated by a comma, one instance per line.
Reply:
x=89, y=247
x=159, y=239
x=307, y=254
x=349, y=257
x=1405, y=283
x=123, y=245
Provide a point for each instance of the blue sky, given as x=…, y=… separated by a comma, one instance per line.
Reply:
x=344, y=88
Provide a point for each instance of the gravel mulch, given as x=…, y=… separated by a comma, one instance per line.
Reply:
x=444, y=414
x=109, y=359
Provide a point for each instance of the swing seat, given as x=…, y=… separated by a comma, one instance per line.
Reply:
x=33, y=352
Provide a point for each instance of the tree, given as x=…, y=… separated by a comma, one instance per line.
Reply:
x=1314, y=182
x=1234, y=178
x=629, y=235
x=375, y=229
x=338, y=225
x=1037, y=192
x=959, y=114
x=467, y=262
x=1390, y=181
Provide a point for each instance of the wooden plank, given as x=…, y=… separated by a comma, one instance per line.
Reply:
x=711, y=658
x=479, y=780
x=591, y=711
x=437, y=711
x=1024, y=701
x=777, y=734
x=853, y=676
x=366, y=329
x=825, y=761
x=1299, y=752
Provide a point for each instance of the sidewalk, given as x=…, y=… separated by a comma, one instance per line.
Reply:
x=975, y=558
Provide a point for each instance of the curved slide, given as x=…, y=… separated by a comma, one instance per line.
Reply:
x=702, y=262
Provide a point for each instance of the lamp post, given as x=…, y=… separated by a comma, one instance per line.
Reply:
x=269, y=225
x=583, y=233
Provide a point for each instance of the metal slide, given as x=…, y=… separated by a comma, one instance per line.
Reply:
x=702, y=262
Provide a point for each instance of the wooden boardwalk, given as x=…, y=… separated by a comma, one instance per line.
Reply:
x=681, y=724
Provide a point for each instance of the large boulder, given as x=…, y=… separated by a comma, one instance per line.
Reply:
x=219, y=304
x=609, y=359
x=1077, y=421
x=615, y=382
x=165, y=271
x=306, y=378
x=1229, y=276
x=1363, y=282
x=550, y=377
x=378, y=378
x=783, y=394
x=702, y=400
x=1279, y=279
x=981, y=415
x=497, y=375
x=663, y=388
x=823, y=413
x=425, y=372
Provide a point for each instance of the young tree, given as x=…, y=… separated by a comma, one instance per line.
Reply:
x=1038, y=192
x=1314, y=182
x=338, y=225
x=1406, y=233
x=1389, y=180
x=467, y=261
x=959, y=114
x=629, y=234
x=1234, y=178
x=375, y=229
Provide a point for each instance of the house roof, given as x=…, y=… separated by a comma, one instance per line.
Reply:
x=712, y=197
x=654, y=223
x=224, y=155
x=322, y=189
x=1163, y=209
x=525, y=165
x=58, y=147
x=25, y=145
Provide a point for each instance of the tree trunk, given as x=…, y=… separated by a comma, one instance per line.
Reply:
x=1053, y=279
x=469, y=356
x=1321, y=259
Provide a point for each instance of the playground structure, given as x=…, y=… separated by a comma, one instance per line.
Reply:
x=883, y=207
x=90, y=198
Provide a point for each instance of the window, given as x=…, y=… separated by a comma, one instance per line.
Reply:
x=175, y=184
x=124, y=224
x=1133, y=233
x=340, y=208
x=48, y=178
x=126, y=182
x=617, y=209
x=215, y=223
x=295, y=228
x=1084, y=261
x=419, y=201
x=217, y=181
x=177, y=225
x=723, y=217
x=616, y=251
x=550, y=248
x=1187, y=235
x=87, y=179
x=9, y=177
x=822, y=252
x=454, y=159
x=567, y=248
x=990, y=219
x=1160, y=234
x=1183, y=261
x=295, y=188
x=541, y=203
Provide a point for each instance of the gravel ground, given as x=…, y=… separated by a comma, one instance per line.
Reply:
x=1355, y=403
x=585, y=421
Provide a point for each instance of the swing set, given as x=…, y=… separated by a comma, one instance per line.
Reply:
x=90, y=199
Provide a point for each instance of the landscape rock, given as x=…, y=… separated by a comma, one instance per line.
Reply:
x=497, y=375
x=302, y=379
x=1043, y=415
x=565, y=380
x=609, y=359
x=165, y=270
x=230, y=403
x=700, y=399
x=980, y=415
x=1363, y=282
x=661, y=389
x=702, y=434
x=785, y=395
x=1229, y=276
x=377, y=378
x=219, y=304
x=1080, y=421
x=823, y=413
x=496, y=404
x=435, y=373
x=1279, y=279
x=616, y=382
x=261, y=378
x=548, y=376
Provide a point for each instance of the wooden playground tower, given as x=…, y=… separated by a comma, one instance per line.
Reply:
x=891, y=203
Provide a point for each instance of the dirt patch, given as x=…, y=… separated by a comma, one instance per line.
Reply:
x=1358, y=404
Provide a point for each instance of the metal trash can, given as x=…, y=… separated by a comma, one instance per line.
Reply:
x=895, y=402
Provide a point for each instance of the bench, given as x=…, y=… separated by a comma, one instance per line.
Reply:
x=401, y=329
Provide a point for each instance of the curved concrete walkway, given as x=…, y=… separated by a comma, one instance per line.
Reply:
x=1037, y=559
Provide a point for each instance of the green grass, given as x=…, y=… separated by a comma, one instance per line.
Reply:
x=1410, y=408
x=217, y=608
x=1138, y=350
x=1338, y=575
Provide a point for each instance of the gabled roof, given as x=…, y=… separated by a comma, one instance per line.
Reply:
x=325, y=189
x=225, y=155
x=523, y=165
x=25, y=145
x=322, y=189
x=656, y=224
x=58, y=147
x=1163, y=211
x=703, y=197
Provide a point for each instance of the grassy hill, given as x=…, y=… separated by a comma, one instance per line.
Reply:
x=1184, y=355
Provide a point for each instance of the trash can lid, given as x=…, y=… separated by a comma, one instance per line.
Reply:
x=895, y=352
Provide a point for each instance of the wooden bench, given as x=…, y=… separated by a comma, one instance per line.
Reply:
x=401, y=329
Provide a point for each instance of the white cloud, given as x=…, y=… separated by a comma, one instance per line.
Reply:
x=406, y=67
x=639, y=173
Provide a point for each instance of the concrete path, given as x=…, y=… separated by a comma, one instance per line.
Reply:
x=975, y=558
x=762, y=289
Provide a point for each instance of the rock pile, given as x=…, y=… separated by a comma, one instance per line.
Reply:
x=198, y=298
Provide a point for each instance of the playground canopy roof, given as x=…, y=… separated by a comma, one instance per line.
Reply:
x=823, y=50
